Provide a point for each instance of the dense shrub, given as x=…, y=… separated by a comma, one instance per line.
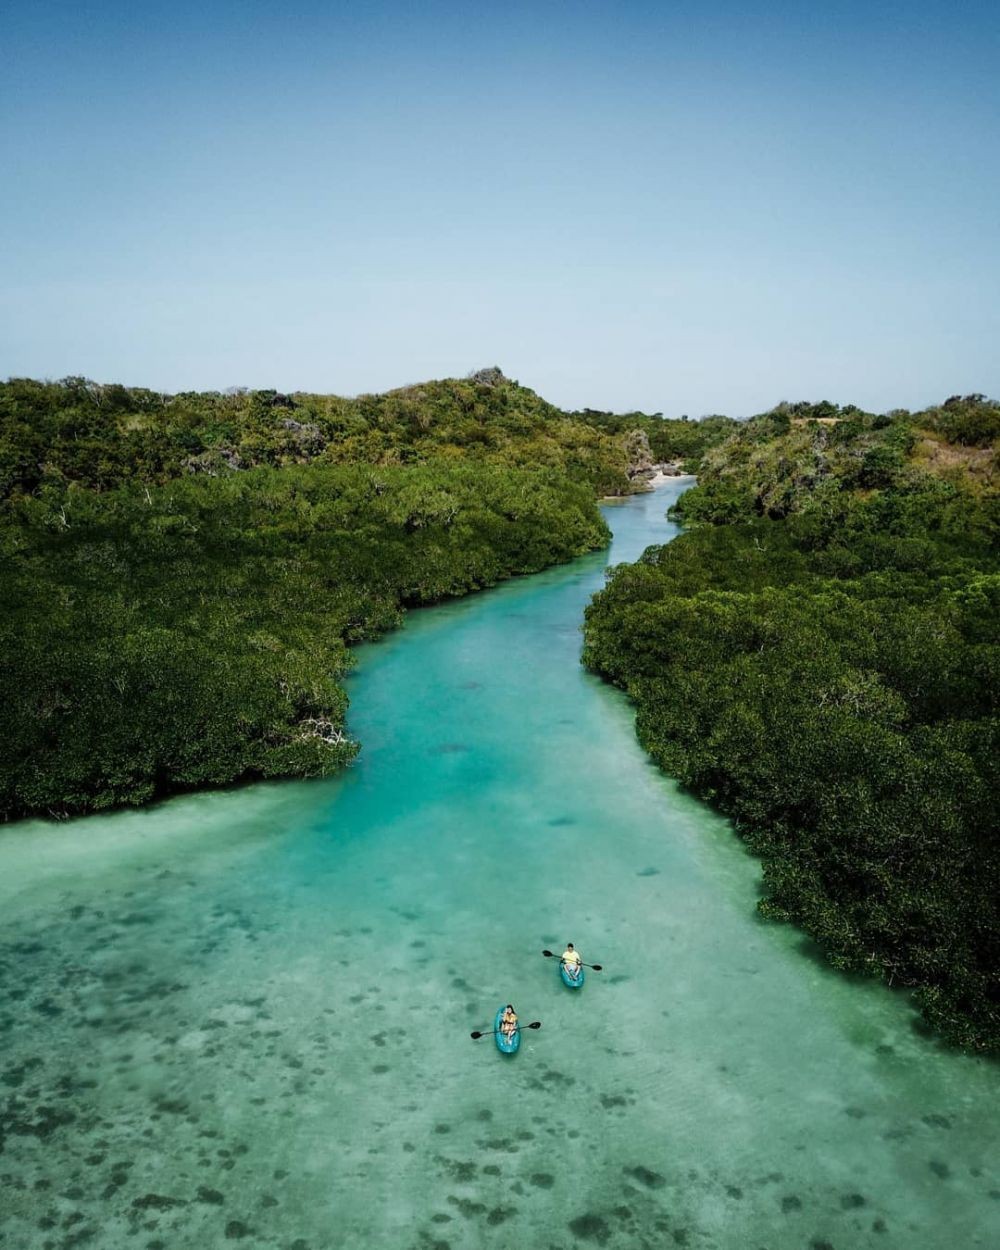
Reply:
x=822, y=662
x=193, y=634
x=102, y=436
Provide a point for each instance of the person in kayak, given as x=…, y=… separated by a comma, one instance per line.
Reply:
x=508, y=1023
x=570, y=960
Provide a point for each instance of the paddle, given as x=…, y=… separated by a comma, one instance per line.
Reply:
x=596, y=967
x=535, y=1024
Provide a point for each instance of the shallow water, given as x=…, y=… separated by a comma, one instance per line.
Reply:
x=245, y=1016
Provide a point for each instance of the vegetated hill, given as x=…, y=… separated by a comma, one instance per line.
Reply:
x=182, y=574
x=161, y=638
x=100, y=436
x=819, y=657
x=804, y=457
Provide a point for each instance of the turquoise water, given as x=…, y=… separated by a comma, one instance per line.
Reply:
x=245, y=1016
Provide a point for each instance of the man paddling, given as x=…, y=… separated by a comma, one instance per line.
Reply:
x=571, y=961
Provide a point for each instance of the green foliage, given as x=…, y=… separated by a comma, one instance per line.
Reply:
x=972, y=420
x=806, y=457
x=670, y=439
x=82, y=432
x=830, y=681
x=183, y=574
x=192, y=634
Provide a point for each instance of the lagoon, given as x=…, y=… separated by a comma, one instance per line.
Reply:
x=244, y=1016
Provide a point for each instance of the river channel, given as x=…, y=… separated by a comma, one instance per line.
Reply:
x=243, y=1017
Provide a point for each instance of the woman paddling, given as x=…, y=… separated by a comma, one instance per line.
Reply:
x=508, y=1023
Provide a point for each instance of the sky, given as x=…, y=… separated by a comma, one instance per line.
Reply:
x=676, y=207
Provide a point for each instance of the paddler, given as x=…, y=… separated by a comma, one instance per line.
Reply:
x=508, y=1023
x=570, y=960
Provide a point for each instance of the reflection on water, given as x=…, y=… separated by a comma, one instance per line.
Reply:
x=246, y=1016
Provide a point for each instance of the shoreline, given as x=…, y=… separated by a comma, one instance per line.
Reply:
x=651, y=484
x=661, y=479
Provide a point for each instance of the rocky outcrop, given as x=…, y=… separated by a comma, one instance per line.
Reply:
x=307, y=439
x=493, y=376
x=666, y=468
x=639, y=453
x=214, y=461
x=641, y=465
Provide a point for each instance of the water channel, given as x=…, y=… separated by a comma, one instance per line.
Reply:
x=244, y=1016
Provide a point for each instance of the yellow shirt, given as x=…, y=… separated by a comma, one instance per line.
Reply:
x=571, y=957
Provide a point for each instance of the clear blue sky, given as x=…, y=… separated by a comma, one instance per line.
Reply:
x=682, y=207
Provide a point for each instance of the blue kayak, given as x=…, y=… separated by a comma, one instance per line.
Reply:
x=507, y=1046
x=574, y=982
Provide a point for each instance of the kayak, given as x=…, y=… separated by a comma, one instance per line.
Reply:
x=574, y=982
x=507, y=1046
